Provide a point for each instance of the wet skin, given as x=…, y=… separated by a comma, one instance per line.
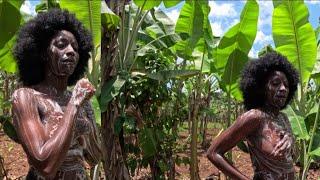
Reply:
x=63, y=54
x=259, y=127
x=46, y=115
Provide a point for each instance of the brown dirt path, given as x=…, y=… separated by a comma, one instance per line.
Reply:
x=16, y=165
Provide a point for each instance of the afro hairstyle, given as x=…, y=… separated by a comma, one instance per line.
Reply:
x=254, y=78
x=33, y=40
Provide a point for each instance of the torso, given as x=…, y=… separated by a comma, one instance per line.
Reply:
x=51, y=110
x=261, y=144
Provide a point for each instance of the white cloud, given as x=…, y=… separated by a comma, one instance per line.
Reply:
x=312, y=2
x=28, y=8
x=253, y=53
x=225, y=9
x=265, y=15
x=234, y=22
x=217, y=29
x=173, y=15
x=263, y=39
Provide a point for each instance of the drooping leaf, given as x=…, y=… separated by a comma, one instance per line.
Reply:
x=108, y=18
x=158, y=33
x=89, y=13
x=190, y=27
x=201, y=60
x=232, y=52
x=109, y=91
x=297, y=123
x=294, y=36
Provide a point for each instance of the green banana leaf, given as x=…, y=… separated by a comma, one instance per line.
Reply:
x=190, y=27
x=10, y=20
x=89, y=13
x=294, y=36
x=232, y=52
x=297, y=123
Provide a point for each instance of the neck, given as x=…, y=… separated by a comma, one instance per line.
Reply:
x=271, y=109
x=58, y=84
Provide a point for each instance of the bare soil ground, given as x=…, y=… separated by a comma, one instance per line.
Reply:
x=16, y=165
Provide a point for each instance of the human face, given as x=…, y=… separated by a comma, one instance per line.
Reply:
x=63, y=53
x=277, y=89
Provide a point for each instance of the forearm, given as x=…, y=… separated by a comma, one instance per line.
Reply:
x=53, y=151
x=222, y=164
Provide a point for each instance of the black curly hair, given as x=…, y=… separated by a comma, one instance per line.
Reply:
x=254, y=77
x=33, y=40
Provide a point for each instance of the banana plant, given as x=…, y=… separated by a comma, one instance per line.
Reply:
x=195, y=47
x=232, y=54
x=294, y=37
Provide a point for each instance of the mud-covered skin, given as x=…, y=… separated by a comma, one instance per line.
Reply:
x=271, y=148
x=56, y=127
x=62, y=54
x=268, y=134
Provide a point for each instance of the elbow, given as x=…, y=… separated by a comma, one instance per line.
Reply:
x=213, y=155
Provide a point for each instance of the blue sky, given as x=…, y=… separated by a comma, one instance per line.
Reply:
x=224, y=14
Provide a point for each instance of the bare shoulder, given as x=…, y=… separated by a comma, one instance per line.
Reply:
x=252, y=115
x=22, y=94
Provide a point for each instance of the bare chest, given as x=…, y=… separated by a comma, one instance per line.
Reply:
x=271, y=133
x=51, y=113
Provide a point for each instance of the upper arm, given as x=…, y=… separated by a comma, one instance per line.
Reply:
x=27, y=123
x=245, y=125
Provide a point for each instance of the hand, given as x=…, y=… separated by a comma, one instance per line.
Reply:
x=282, y=146
x=82, y=91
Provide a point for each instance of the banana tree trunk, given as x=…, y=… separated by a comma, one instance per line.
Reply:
x=206, y=118
x=194, y=170
x=113, y=160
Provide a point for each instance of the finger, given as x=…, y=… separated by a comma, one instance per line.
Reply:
x=279, y=148
x=279, y=144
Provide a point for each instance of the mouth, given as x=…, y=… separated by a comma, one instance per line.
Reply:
x=281, y=97
x=68, y=61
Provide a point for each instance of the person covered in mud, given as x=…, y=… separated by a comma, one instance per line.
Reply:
x=268, y=85
x=55, y=126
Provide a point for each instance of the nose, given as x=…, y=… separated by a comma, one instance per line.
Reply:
x=283, y=88
x=70, y=51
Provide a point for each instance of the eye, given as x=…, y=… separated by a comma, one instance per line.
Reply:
x=275, y=82
x=60, y=44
